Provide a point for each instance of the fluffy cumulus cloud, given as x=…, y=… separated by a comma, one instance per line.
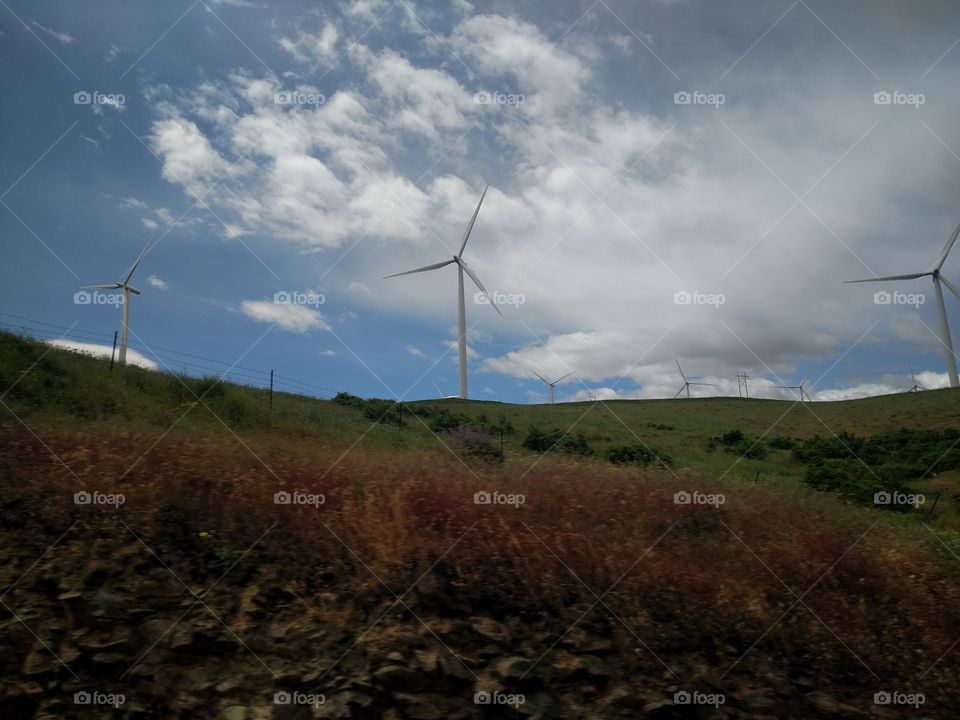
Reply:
x=294, y=318
x=636, y=229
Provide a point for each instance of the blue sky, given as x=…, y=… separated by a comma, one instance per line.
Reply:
x=316, y=147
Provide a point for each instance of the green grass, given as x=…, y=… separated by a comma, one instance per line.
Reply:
x=67, y=390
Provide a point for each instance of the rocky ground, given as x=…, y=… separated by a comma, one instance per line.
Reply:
x=111, y=618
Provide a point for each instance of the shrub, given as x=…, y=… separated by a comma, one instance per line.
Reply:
x=731, y=438
x=541, y=441
x=636, y=454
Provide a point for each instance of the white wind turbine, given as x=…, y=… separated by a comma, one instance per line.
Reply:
x=462, y=268
x=916, y=385
x=804, y=395
x=127, y=289
x=938, y=278
x=441, y=395
x=551, y=385
x=687, y=383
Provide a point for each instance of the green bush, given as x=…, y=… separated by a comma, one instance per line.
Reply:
x=636, y=454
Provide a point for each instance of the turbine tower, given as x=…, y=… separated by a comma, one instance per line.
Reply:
x=938, y=279
x=551, y=385
x=127, y=289
x=462, y=268
x=687, y=383
x=804, y=395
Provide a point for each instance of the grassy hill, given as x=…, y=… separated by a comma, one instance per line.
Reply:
x=394, y=589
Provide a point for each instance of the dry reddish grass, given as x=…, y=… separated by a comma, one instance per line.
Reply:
x=691, y=579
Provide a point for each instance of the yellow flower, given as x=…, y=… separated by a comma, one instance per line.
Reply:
x=204, y=534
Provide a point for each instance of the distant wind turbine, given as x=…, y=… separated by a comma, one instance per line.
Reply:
x=441, y=395
x=804, y=395
x=687, y=383
x=462, y=268
x=127, y=289
x=551, y=385
x=916, y=386
x=938, y=278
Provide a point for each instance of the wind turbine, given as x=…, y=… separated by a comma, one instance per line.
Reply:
x=127, y=289
x=804, y=395
x=916, y=386
x=462, y=268
x=687, y=383
x=441, y=395
x=551, y=385
x=938, y=278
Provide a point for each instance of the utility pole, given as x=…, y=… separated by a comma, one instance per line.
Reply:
x=114, y=351
x=271, y=391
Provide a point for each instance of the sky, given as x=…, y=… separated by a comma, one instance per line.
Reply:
x=669, y=179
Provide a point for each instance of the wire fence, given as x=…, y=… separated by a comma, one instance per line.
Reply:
x=167, y=359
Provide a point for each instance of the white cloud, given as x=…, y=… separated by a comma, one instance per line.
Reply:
x=157, y=282
x=358, y=287
x=318, y=48
x=189, y=158
x=103, y=351
x=295, y=318
x=55, y=34
x=416, y=352
x=134, y=203
x=327, y=353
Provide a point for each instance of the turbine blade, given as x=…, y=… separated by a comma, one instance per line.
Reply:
x=132, y=289
x=476, y=281
x=681, y=370
x=112, y=286
x=564, y=377
x=948, y=247
x=540, y=376
x=953, y=288
x=466, y=235
x=912, y=276
x=704, y=384
x=139, y=258
x=423, y=269
x=679, y=391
